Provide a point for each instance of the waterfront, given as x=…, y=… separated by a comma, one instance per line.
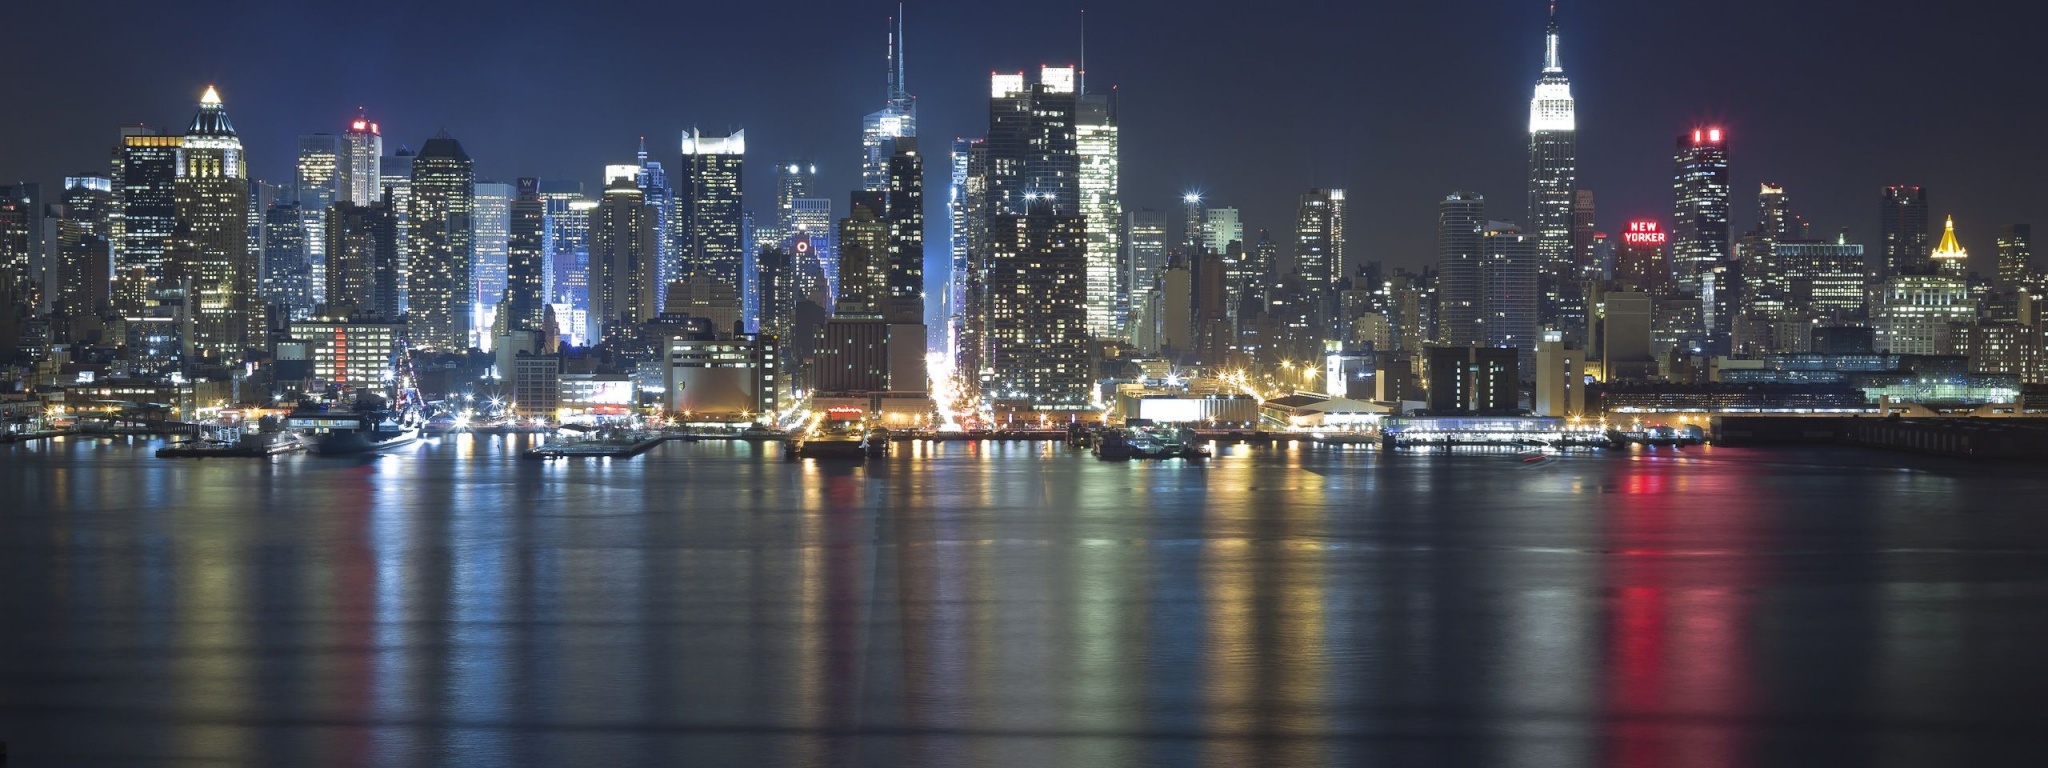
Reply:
x=1020, y=604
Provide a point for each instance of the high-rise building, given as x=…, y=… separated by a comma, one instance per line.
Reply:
x=1903, y=234
x=1038, y=309
x=897, y=118
x=145, y=194
x=397, y=188
x=1699, y=220
x=491, y=222
x=1220, y=228
x=864, y=263
x=83, y=288
x=710, y=208
x=529, y=267
x=812, y=218
x=1914, y=313
x=793, y=181
x=906, y=233
x=623, y=259
x=443, y=249
x=20, y=291
x=1145, y=262
x=1823, y=280
x=362, y=262
x=1319, y=246
x=1553, y=178
x=661, y=195
x=1949, y=258
x=1461, y=287
x=1585, y=265
x=1032, y=150
x=210, y=256
x=1510, y=263
x=1096, y=141
x=361, y=161
x=2015, y=254
x=1641, y=263
x=287, y=273
x=319, y=184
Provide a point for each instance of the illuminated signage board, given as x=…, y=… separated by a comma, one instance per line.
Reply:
x=1643, y=233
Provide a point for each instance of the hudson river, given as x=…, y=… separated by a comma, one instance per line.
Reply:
x=1020, y=605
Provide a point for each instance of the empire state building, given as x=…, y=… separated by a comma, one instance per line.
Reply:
x=1553, y=174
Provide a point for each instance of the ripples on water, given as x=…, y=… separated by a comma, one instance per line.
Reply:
x=1019, y=604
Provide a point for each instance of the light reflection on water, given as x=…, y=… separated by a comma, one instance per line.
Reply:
x=1017, y=604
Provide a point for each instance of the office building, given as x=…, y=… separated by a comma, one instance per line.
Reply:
x=210, y=258
x=529, y=265
x=362, y=262
x=1319, y=246
x=1096, y=141
x=443, y=249
x=1560, y=379
x=1032, y=146
x=318, y=183
x=1461, y=291
x=709, y=208
x=396, y=187
x=905, y=275
x=1465, y=380
x=1903, y=235
x=623, y=259
x=83, y=287
x=491, y=224
x=1509, y=266
x=1949, y=259
x=1038, y=349
x=362, y=161
x=1913, y=313
x=287, y=271
x=2015, y=255
x=896, y=119
x=1641, y=262
x=1553, y=179
x=351, y=354
x=1699, y=220
x=145, y=212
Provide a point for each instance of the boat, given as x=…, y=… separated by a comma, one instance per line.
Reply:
x=370, y=425
x=269, y=438
x=836, y=434
x=1141, y=439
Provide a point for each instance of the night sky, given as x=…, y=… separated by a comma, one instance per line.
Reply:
x=1250, y=102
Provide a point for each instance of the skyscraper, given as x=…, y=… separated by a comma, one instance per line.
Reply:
x=83, y=286
x=661, y=195
x=710, y=208
x=1095, y=140
x=396, y=180
x=443, y=248
x=529, y=273
x=287, y=274
x=2015, y=253
x=319, y=184
x=1903, y=234
x=1584, y=265
x=1510, y=263
x=1553, y=177
x=362, y=262
x=623, y=259
x=896, y=119
x=1145, y=235
x=1461, y=280
x=812, y=218
x=1699, y=220
x=491, y=221
x=210, y=255
x=793, y=181
x=145, y=211
x=362, y=160
x=1319, y=247
x=1038, y=351
x=906, y=233
x=1949, y=259
x=1031, y=141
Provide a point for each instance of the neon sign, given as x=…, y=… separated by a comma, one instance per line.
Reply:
x=1643, y=233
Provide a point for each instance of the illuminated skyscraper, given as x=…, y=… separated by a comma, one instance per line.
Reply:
x=1509, y=267
x=1038, y=351
x=661, y=195
x=145, y=211
x=1949, y=259
x=896, y=119
x=287, y=274
x=396, y=182
x=319, y=185
x=793, y=181
x=623, y=259
x=2015, y=252
x=1145, y=263
x=1699, y=220
x=906, y=234
x=1319, y=246
x=710, y=208
x=1461, y=284
x=362, y=160
x=812, y=218
x=491, y=222
x=83, y=287
x=443, y=246
x=210, y=255
x=1553, y=177
x=529, y=273
x=1903, y=234
x=1031, y=141
x=1095, y=140
x=864, y=258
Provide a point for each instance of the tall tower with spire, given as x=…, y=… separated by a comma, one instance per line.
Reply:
x=209, y=257
x=896, y=119
x=1950, y=260
x=1553, y=178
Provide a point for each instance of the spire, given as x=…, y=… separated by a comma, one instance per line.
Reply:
x=895, y=79
x=1550, y=63
x=1082, y=87
x=643, y=149
x=902, y=41
x=212, y=97
x=1949, y=248
x=212, y=117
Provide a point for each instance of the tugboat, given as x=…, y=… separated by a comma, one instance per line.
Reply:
x=370, y=425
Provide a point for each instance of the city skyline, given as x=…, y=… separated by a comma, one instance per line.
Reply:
x=1626, y=128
